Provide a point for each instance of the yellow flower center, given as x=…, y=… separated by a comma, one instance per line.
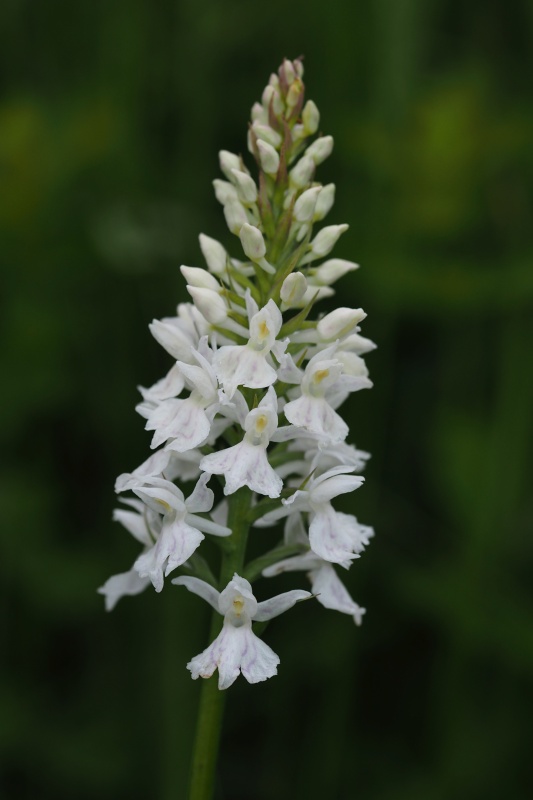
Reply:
x=261, y=423
x=263, y=330
x=320, y=374
x=238, y=605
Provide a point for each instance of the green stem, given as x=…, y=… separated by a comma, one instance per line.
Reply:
x=211, y=708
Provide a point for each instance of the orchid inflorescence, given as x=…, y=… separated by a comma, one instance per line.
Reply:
x=253, y=397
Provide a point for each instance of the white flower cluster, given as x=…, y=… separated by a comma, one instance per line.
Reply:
x=253, y=395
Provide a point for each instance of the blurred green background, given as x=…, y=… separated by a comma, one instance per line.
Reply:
x=111, y=116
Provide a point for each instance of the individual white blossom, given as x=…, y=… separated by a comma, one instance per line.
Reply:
x=246, y=463
x=237, y=649
x=187, y=421
x=251, y=364
x=326, y=585
x=181, y=527
x=313, y=410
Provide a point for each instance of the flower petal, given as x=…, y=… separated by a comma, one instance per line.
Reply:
x=199, y=587
x=315, y=414
x=235, y=650
x=117, y=586
x=269, y=609
x=244, y=465
x=336, y=537
x=331, y=592
x=201, y=498
x=185, y=421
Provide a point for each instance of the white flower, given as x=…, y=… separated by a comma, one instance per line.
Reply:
x=325, y=583
x=178, y=335
x=250, y=364
x=142, y=523
x=237, y=649
x=312, y=410
x=169, y=386
x=246, y=463
x=333, y=536
x=187, y=421
x=180, y=526
x=162, y=464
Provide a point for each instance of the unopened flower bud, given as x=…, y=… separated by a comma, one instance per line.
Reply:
x=302, y=173
x=259, y=114
x=214, y=254
x=310, y=118
x=320, y=149
x=268, y=157
x=293, y=289
x=225, y=191
x=324, y=202
x=252, y=242
x=333, y=269
x=246, y=188
x=295, y=93
x=200, y=277
x=209, y=303
x=287, y=72
x=235, y=216
x=172, y=338
x=254, y=246
x=324, y=242
x=229, y=161
x=339, y=323
x=271, y=99
x=304, y=208
x=266, y=134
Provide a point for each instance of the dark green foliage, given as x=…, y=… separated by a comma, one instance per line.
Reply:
x=110, y=121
